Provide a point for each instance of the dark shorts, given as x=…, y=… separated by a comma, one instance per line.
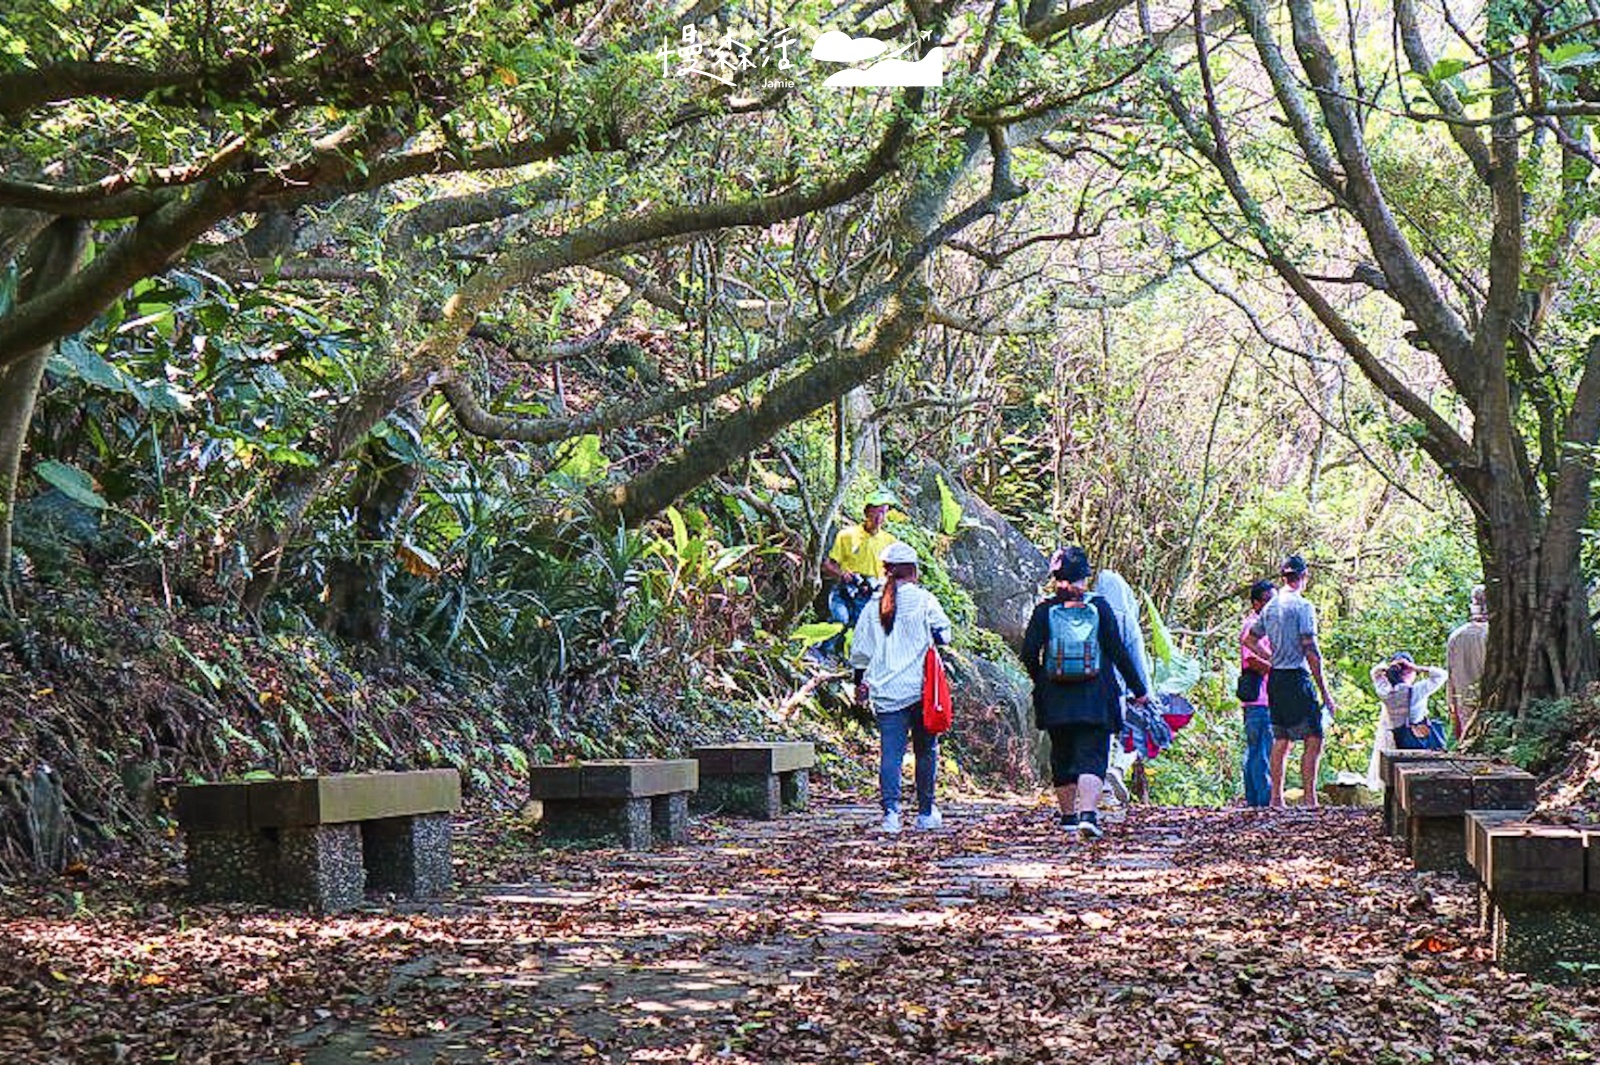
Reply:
x=1292, y=700
x=1078, y=750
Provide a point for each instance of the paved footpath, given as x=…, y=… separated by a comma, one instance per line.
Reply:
x=1185, y=935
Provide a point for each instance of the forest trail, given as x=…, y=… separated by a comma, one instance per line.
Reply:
x=1183, y=936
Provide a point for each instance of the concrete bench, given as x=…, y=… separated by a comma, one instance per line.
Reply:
x=1538, y=893
x=1388, y=761
x=1432, y=800
x=756, y=779
x=320, y=842
x=629, y=801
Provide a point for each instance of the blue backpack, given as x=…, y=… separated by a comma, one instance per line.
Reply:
x=1072, y=654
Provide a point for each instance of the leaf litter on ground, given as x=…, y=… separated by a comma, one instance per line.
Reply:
x=1183, y=936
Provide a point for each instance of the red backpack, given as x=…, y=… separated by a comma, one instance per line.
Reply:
x=936, y=711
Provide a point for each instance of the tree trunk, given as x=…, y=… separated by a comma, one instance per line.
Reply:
x=1542, y=644
x=51, y=258
x=358, y=586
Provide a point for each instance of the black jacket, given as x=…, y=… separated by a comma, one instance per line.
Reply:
x=1090, y=702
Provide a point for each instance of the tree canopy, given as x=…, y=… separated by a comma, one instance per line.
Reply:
x=404, y=319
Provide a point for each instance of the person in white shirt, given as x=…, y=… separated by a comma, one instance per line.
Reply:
x=892, y=638
x=1464, y=654
x=1404, y=689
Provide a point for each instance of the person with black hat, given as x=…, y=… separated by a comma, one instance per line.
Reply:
x=1288, y=624
x=1071, y=638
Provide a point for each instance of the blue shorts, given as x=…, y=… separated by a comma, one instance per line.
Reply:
x=1292, y=700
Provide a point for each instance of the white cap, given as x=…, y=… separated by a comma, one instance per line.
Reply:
x=898, y=554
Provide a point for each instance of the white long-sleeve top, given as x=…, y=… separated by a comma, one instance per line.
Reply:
x=1407, y=704
x=893, y=661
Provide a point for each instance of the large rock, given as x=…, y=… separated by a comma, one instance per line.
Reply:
x=996, y=564
x=993, y=733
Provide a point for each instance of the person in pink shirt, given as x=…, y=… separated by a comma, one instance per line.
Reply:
x=1252, y=693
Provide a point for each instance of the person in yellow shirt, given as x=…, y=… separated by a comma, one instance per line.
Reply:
x=853, y=565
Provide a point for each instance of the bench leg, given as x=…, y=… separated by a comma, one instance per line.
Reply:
x=1438, y=843
x=796, y=788
x=408, y=856
x=669, y=817
x=1555, y=938
x=625, y=822
x=235, y=866
x=758, y=795
x=320, y=867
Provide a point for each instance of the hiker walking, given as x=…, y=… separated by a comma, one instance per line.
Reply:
x=1252, y=693
x=1285, y=633
x=1071, y=643
x=854, y=565
x=892, y=636
x=1118, y=594
x=1464, y=653
x=1403, y=688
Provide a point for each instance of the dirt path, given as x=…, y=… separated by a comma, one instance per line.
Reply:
x=1189, y=936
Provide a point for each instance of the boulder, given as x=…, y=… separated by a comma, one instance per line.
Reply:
x=994, y=734
x=996, y=564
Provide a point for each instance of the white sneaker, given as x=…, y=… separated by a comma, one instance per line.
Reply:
x=931, y=820
x=891, y=823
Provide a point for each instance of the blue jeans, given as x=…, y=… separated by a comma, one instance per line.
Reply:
x=845, y=609
x=894, y=729
x=1257, y=749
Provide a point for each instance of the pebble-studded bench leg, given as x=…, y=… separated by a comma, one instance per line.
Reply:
x=757, y=795
x=408, y=855
x=1556, y=938
x=624, y=822
x=796, y=789
x=231, y=866
x=1438, y=843
x=320, y=867
x=669, y=817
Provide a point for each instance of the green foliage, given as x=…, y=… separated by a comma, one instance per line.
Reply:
x=931, y=570
x=949, y=509
x=71, y=482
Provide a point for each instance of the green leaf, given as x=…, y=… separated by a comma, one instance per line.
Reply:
x=71, y=482
x=1160, y=637
x=680, y=531
x=1447, y=68
x=74, y=358
x=949, y=509
x=583, y=461
x=816, y=632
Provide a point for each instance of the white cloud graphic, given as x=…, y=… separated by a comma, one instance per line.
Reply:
x=927, y=72
x=835, y=46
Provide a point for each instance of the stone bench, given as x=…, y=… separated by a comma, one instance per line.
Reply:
x=1388, y=761
x=1539, y=894
x=320, y=842
x=756, y=779
x=1432, y=800
x=629, y=801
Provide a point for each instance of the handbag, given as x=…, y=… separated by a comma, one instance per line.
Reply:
x=936, y=710
x=1434, y=741
x=1248, y=686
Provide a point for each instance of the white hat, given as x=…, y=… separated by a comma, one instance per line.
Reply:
x=898, y=554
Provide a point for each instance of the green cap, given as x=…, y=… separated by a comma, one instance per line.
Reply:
x=881, y=498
